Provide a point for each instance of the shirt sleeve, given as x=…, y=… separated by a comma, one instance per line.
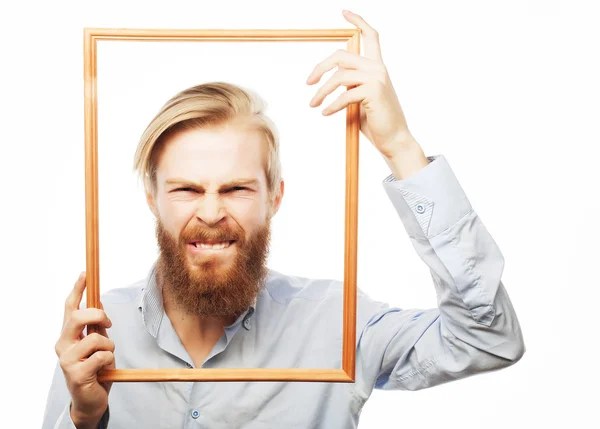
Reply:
x=474, y=328
x=58, y=405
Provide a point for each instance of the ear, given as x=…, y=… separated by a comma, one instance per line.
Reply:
x=152, y=204
x=276, y=203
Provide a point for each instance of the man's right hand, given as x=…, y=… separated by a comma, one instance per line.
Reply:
x=81, y=357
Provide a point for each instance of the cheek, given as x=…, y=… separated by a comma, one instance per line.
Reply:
x=246, y=209
x=174, y=216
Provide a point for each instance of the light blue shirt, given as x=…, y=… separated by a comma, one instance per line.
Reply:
x=296, y=322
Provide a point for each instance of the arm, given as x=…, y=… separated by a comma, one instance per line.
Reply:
x=474, y=329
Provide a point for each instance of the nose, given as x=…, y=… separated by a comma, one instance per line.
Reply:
x=210, y=208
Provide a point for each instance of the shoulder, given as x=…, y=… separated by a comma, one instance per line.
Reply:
x=318, y=300
x=284, y=288
x=122, y=296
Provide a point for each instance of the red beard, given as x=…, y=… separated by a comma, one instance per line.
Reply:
x=210, y=285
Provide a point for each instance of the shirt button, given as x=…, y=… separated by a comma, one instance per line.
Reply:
x=247, y=324
x=195, y=414
x=420, y=208
x=188, y=365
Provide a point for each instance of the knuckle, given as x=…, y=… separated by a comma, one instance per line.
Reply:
x=95, y=339
x=104, y=356
x=99, y=314
x=100, y=342
x=64, y=365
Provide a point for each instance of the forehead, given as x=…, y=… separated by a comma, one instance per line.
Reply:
x=213, y=155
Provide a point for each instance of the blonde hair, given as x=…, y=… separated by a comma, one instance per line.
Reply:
x=208, y=104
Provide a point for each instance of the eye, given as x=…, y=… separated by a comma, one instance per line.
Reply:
x=238, y=188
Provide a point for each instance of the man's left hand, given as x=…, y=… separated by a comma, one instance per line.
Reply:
x=382, y=120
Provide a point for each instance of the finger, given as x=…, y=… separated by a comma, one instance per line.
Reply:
x=372, y=48
x=345, y=59
x=87, y=347
x=102, y=331
x=79, y=319
x=341, y=77
x=97, y=361
x=72, y=332
x=354, y=95
x=74, y=299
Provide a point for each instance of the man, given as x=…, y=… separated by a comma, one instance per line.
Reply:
x=211, y=171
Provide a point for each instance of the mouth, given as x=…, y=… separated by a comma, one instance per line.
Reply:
x=211, y=245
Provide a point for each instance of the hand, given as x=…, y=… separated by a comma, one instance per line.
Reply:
x=81, y=357
x=381, y=118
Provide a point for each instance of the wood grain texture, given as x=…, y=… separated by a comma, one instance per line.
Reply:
x=351, y=237
x=91, y=38
x=226, y=374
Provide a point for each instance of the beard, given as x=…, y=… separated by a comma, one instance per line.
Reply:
x=209, y=285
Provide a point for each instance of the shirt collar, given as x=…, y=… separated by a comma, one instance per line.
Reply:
x=151, y=305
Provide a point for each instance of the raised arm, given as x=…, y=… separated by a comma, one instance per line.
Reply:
x=474, y=329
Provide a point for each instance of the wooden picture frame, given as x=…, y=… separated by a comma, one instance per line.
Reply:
x=347, y=373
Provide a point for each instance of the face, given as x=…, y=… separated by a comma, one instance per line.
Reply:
x=213, y=216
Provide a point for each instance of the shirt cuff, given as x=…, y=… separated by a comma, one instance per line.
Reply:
x=429, y=201
x=65, y=421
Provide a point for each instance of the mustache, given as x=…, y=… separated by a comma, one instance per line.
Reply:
x=208, y=235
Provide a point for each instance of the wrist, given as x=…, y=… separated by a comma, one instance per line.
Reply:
x=407, y=160
x=84, y=420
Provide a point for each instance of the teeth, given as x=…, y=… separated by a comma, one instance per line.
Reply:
x=216, y=246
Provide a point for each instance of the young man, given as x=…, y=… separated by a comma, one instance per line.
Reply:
x=211, y=170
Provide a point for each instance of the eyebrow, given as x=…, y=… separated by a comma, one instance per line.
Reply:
x=231, y=184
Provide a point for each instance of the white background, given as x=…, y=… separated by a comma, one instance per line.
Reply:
x=508, y=91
